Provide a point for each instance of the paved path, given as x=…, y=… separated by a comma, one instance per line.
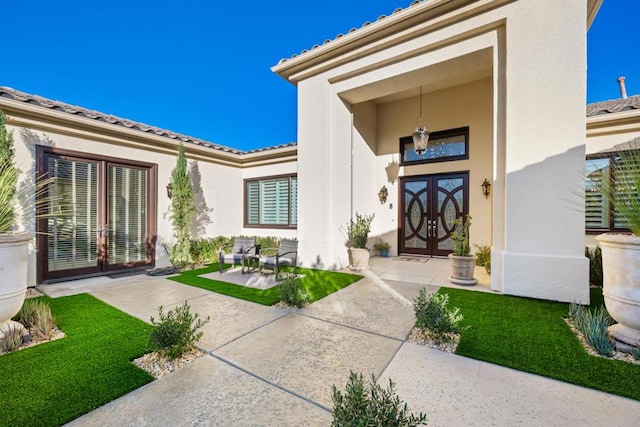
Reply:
x=265, y=366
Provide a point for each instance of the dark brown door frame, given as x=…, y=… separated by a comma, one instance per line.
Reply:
x=432, y=213
x=42, y=155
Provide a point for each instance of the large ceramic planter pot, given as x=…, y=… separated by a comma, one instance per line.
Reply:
x=462, y=268
x=621, y=286
x=14, y=253
x=358, y=259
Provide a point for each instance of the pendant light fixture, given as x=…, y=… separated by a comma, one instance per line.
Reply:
x=421, y=134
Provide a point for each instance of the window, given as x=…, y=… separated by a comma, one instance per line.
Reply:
x=271, y=202
x=446, y=145
x=605, y=170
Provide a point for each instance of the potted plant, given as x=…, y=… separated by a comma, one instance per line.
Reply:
x=382, y=247
x=621, y=251
x=14, y=244
x=462, y=262
x=358, y=230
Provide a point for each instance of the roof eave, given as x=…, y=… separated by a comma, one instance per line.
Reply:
x=610, y=123
x=31, y=116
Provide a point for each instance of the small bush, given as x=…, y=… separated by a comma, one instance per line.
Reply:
x=205, y=251
x=44, y=322
x=484, y=257
x=12, y=338
x=292, y=292
x=371, y=405
x=268, y=242
x=176, y=333
x=432, y=314
x=595, y=265
x=593, y=325
x=36, y=315
x=27, y=313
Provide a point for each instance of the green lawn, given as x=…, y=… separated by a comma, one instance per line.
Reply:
x=531, y=336
x=317, y=283
x=55, y=382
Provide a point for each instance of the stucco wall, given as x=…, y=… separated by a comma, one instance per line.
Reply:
x=459, y=106
x=537, y=126
x=218, y=188
x=285, y=168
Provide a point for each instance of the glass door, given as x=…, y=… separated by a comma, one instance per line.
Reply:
x=429, y=204
x=103, y=215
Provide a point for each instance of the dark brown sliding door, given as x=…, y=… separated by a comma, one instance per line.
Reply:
x=105, y=215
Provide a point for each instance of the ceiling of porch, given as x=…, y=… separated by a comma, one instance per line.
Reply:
x=460, y=70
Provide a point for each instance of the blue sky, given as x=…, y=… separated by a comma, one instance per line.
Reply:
x=202, y=68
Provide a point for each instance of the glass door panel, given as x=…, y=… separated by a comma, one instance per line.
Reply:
x=72, y=243
x=429, y=205
x=127, y=216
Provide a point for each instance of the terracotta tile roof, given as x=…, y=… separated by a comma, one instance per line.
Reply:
x=613, y=106
x=10, y=93
x=380, y=18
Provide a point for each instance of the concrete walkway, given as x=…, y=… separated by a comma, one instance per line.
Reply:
x=266, y=366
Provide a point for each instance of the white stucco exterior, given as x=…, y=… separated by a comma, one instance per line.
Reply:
x=490, y=65
x=512, y=71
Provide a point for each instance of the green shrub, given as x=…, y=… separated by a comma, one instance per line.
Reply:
x=595, y=265
x=484, y=257
x=27, y=313
x=176, y=332
x=12, y=338
x=460, y=236
x=371, y=405
x=358, y=230
x=432, y=314
x=593, y=325
x=36, y=315
x=205, y=251
x=268, y=242
x=44, y=322
x=292, y=292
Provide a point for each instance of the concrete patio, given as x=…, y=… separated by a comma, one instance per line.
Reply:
x=265, y=366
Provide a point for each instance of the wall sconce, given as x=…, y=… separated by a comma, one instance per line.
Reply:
x=392, y=171
x=486, y=188
x=169, y=190
x=382, y=195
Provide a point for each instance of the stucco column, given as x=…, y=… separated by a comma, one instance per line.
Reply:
x=541, y=248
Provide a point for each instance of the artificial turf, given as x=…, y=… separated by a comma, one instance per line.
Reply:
x=531, y=335
x=54, y=382
x=316, y=283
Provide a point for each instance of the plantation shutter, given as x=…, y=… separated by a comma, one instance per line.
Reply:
x=293, y=220
x=596, y=206
x=274, y=201
x=72, y=242
x=626, y=189
x=127, y=198
x=253, y=202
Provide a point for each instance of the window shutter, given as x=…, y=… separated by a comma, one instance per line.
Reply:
x=294, y=201
x=625, y=188
x=596, y=206
x=253, y=202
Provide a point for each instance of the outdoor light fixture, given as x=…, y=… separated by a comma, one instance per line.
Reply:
x=392, y=171
x=169, y=190
x=486, y=188
x=421, y=134
x=382, y=195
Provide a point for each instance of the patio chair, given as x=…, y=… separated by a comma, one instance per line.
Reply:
x=285, y=255
x=243, y=249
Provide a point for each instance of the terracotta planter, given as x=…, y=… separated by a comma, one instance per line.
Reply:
x=14, y=253
x=621, y=286
x=462, y=268
x=358, y=259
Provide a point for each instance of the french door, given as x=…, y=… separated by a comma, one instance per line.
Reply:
x=428, y=206
x=102, y=215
